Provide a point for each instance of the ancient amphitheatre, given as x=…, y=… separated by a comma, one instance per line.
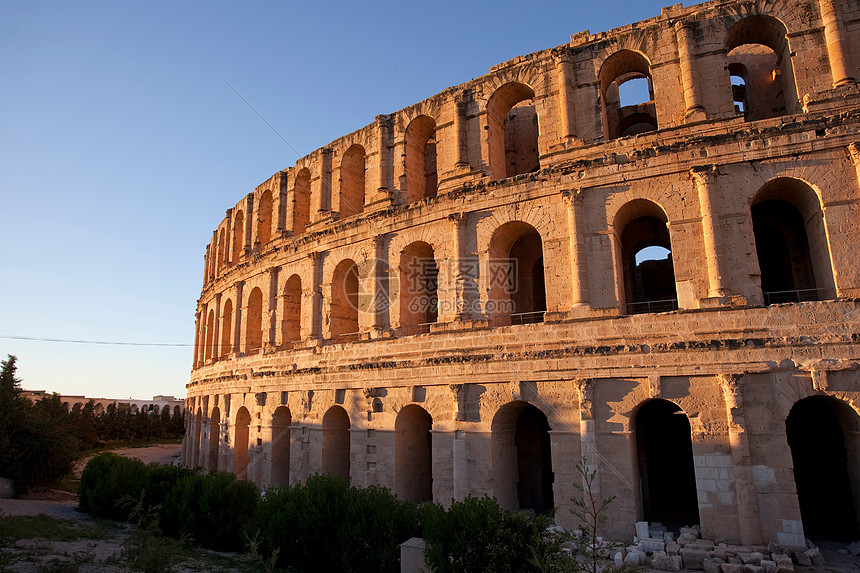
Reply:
x=471, y=295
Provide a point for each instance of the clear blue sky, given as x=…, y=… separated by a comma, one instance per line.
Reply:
x=122, y=146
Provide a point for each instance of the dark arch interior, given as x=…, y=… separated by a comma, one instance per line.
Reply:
x=534, y=461
x=782, y=246
x=666, y=471
x=529, y=288
x=652, y=280
x=818, y=450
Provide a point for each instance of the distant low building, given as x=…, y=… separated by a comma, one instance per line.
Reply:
x=157, y=402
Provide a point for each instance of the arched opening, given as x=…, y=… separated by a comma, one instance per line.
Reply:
x=352, y=176
x=421, y=178
x=512, y=131
x=823, y=433
x=344, y=300
x=238, y=236
x=264, y=220
x=413, y=454
x=222, y=251
x=791, y=243
x=280, y=452
x=418, y=288
x=302, y=201
x=240, y=443
x=646, y=258
x=210, y=333
x=198, y=426
x=214, y=439
x=664, y=448
x=291, y=326
x=335, y=446
x=758, y=54
x=226, y=328
x=627, y=95
x=254, y=322
x=516, y=275
x=522, y=458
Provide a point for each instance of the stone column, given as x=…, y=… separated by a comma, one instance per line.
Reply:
x=216, y=348
x=587, y=430
x=324, y=204
x=834, y=35
x=704, y=178
x=854, y=151
x=273, y=308
x=692, y=99
x=578, y=260
x=249, y=224
x=565, y=113
x=379, y=297
x=460, y=452
x=237, y=326
x=316, y=297
x=197, y=344
x=228, y=239
x=383, y=125
x=749, y=520
x=456, y=276
x=461, y=156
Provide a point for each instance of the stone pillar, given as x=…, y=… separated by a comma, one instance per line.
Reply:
x=377, y=277
x=237, y=326
x=460, y=452
x=587, y=430
x=578, y=260
x=692, y=99
x=565, y=113
x=462, y=156
x=704, y=178
x=324, y=205
x=216, y=348
x=206, y=266
x=383, y=124
x=456, y=277
x=316, y=297
x=834, y=35
x=228, y=238
x=273, y=309
x=854, y=151
x=749, y=520
x=249, y=224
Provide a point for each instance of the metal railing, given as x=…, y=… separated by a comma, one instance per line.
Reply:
x=652, y=306
x=800, y=295
x=413, y=329
x=527, y=317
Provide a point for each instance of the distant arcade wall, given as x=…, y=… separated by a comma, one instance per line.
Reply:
x=530, y=270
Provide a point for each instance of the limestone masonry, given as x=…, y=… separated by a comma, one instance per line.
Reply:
x=540, y=268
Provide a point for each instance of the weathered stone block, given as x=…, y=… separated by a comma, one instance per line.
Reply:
x=712, y=565
x=693, y=559
x=731, y=568
x=768, y=566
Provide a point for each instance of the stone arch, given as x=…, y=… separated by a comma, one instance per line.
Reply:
x=413, y=454
x=254, y=322
x=352, y=181
x=336, y=442
x=522, y=458
x=210, y=336
x=226, y=328
x=291, y=325
x=238, y=236
x=214, y=439
x=516, y=274
x=264, y=220
x=791, y=242
x=618, y=121
x=645, y=250
x=344, y=299
x=513, y=131
x=421, y=154
x=823, y=434
x=419, y=278
x=281, y=420
x=301, y=201
x=241, y=443
x=758, y=54
x=664, y=453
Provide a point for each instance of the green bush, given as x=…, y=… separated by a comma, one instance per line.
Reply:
x=160, y=479
x=325, y=525
x=106, y=480
x=211, y=509
x=477, y=535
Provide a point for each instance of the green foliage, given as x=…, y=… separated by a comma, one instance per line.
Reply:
x=326, y=525
x=212, y=509
x=108, y=478
x=13, y=527
x=477, y=535
x=146, y=549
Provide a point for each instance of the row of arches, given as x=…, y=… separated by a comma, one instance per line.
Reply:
x=788, y=232
x=822, y=432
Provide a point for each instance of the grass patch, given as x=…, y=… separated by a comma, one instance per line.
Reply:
x=53, y=529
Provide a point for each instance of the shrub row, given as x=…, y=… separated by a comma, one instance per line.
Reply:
x=320, y=525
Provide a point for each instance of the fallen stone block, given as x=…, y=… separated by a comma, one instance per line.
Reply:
x=634, y=557
x=784, y=564
x=675, y=563
x=774, y=548
x=801, y=558
x=686, y=538
x=854, y=548
x=769, y=566
x=815, y=556
x=755, y=558
x=673, y=548
x=731, y=568
x=701, y=545
x=659, y=560
x=641, y=529
x=712, y=565
x=652, y=545
x=750, y=568
x=693, y=559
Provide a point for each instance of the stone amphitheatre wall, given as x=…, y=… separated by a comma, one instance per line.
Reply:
x=471, y=295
